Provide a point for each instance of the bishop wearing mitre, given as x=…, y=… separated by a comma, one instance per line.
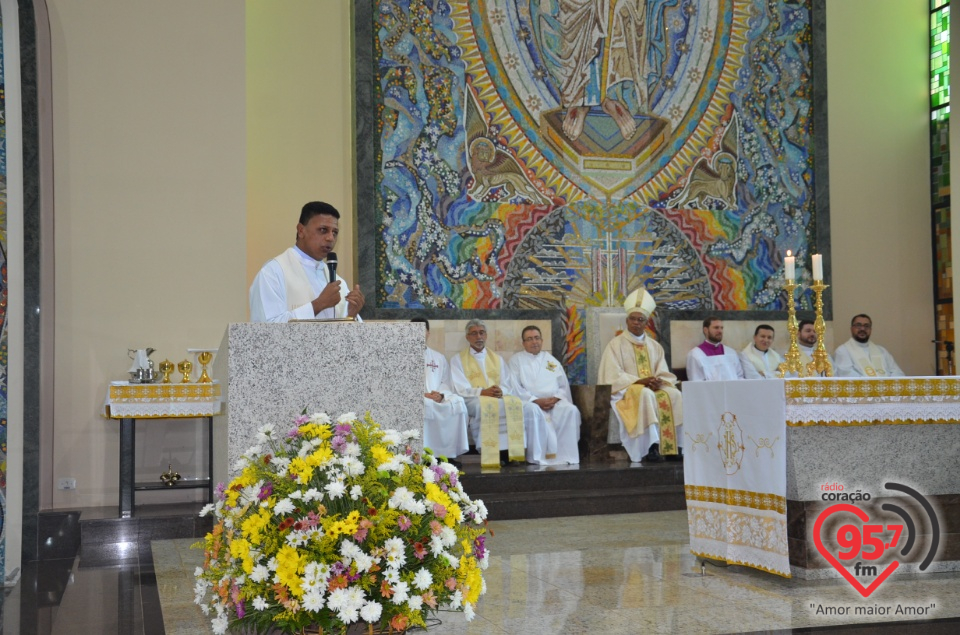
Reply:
x=645, y=399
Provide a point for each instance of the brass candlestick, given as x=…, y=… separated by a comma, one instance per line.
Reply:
x=792, y=362
x=821, y=361
x=166, y=367
x=185, y=367
x=170, y=477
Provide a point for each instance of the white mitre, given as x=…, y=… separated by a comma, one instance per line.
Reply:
x=640, y=301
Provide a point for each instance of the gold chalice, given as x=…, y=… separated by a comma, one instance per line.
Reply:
x=185, y=367
x=204, y=359
x=166, y=367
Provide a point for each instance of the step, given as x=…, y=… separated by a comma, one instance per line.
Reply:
x=579, y=502
x=588, y=478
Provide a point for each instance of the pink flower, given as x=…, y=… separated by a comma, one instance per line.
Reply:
x=419, y=550
x=404, y=523
x=439, y=510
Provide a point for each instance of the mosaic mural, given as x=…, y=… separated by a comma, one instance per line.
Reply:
x=556, y=154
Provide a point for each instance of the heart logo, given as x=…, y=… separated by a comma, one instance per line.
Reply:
x=818, y=541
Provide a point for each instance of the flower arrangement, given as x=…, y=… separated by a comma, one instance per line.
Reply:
x=333, y=524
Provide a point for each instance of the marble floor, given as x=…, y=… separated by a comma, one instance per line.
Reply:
x=628, y=573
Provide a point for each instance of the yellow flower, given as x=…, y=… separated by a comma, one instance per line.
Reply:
x=315, y=431
x=380, y=454
x=471, y=581
x=299, y=468
x=321, y=456
x=437, y=495
x=240, y=548
x=254, y=525
x=290, y=563
x=348, y=526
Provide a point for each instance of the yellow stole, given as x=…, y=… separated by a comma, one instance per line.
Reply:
x=629, y=406
x=490, y=411
x=299, y=291
x=872, y=367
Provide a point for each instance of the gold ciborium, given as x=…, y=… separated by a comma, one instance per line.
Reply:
x=166, y=367
x=185, y=367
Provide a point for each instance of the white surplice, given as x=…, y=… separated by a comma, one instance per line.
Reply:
x=618, y=368
x=539, y=439
x=725, y=367
x=271, y=302
x=542, y=375
x=759, y=364
x=857, y=360
x=445, y=422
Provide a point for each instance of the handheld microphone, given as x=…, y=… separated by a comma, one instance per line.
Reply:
x=332, y=266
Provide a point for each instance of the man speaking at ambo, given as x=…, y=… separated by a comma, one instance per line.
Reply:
x=301, y=283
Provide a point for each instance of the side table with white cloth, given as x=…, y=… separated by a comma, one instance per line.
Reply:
x=129, y=402
x=764, y=458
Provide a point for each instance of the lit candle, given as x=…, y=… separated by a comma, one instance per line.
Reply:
x=788, y=264
x=817, y=267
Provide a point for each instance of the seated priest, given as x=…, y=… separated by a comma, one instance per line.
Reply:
x=444, y=413
x=296, y=285
x=645, y=401
x=758, y=360
x=499, y=418
x=541, y=375
x=807, y=343
x=859, y=357
x=711, y=360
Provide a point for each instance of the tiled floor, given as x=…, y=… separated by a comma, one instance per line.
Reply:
x=629, y=573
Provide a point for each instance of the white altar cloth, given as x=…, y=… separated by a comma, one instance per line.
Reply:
x=735, y=472
x=735, y=467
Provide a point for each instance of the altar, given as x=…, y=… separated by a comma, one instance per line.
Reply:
x=765, y=458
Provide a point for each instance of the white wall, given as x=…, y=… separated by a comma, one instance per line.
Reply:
x=150, y=166
x=299, y=123
x=879, y=113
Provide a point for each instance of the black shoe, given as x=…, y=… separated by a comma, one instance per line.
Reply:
x=653, y=456
x=455, y=463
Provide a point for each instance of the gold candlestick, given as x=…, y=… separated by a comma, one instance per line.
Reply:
x=792, y=362
x=821, y=361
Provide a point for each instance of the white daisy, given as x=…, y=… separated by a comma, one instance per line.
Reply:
x=312, y=601
x=284, y=506
x=423, y=579
x=371, y=612
x=336, y=489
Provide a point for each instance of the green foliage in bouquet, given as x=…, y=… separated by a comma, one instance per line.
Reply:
x=336, y=523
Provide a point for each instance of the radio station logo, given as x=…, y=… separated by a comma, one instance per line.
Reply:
x=860, y=543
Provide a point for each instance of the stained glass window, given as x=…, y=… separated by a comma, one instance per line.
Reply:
x=940, y=180
x=940, y=57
